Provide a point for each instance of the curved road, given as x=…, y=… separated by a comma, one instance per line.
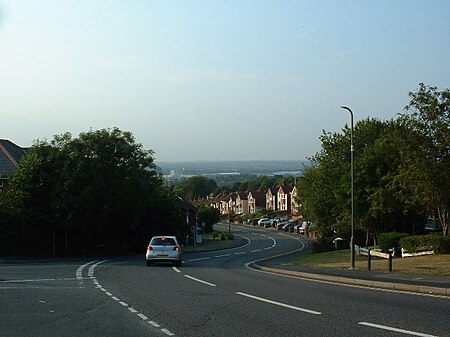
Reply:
x=211, y=294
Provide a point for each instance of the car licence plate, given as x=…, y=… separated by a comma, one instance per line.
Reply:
x=163, y=255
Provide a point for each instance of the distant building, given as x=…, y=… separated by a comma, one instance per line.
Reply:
x=10, y=155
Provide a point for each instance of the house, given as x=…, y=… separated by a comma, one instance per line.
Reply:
x=284, y=196
x=271, y=199
x=232, y=207
x=256, y=201
x=242, y=203
x=10, y=155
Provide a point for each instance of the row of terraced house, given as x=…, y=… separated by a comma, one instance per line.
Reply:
x=242, y=203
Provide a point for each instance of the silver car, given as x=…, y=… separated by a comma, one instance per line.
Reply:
x=164, y=249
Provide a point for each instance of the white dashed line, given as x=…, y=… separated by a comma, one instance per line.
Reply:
x=413, y=333
x=167, y=332
x=240, y=253
x=199, y=259
x=94, y=264
x=255, y=250
x=279, y=304
x=224, y=255
x=201, y=281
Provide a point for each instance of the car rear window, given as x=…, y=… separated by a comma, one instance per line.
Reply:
x=163, y=241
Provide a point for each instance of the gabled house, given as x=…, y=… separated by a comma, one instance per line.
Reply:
x=271, y=199
x=294, y=205
x=284, y=196
x=256, y=201
x=242, y=203
x=232, y=204
x=10, y=155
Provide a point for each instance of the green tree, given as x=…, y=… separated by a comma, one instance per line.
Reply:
x=195, y=187
x=428, y=154
x=97, y=188
x=208, y=215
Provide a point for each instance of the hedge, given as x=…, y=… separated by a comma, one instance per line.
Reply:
x=415, y=244
x=391, y=240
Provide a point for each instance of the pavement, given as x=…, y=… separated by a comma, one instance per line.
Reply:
x=436, y=285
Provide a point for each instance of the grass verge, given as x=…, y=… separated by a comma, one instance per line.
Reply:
x=434, y=265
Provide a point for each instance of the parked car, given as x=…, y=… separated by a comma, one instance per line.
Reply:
x=288, y=225
x=297, y=228
x=303, y=228
x=164, y=249
x=263, y=221
x=281, y=224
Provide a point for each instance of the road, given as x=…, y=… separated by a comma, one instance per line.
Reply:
x=211, y=294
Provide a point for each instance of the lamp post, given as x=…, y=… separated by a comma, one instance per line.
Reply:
x=352, y=150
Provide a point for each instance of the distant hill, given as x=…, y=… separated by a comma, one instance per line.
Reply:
x=254, y=167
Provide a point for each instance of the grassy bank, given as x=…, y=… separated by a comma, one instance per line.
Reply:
x=436, y=265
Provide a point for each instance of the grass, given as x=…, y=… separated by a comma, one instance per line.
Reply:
x=435, y=265
x=210, y=241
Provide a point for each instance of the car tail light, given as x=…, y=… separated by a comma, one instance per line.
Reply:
x=176, y=248
x=149, y=248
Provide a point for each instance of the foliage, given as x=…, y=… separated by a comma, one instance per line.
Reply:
x=96, y=190
x=390, y=240
x=418, y=243
x=208, y=215
x=195, y=187
x=428, y=117
x=401, y=172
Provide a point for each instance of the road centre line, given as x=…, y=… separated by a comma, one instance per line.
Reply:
x=383, y=327
x=201, y=281
x=255, y=250
x=279, y=303
x=224, y=255
x=200, y=259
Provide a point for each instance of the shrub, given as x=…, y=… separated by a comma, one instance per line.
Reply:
x=391, y=240
x=415, y=244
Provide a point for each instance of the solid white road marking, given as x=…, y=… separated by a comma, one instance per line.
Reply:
x=279, y=303
x=413, y=333
x=176, y=269
x=201, y=281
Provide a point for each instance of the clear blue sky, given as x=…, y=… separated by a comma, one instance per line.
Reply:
x=212, y=80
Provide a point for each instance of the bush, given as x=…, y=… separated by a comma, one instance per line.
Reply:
x=226, y=236
x=391, y=240
x=416, y=244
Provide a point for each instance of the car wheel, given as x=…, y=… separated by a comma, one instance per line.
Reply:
x=149, y=263
x=178, y=263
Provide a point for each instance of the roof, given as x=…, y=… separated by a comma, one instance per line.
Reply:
x=286, y=189
x=10, y=155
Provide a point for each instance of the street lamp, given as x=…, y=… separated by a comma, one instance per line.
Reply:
x=352, y=150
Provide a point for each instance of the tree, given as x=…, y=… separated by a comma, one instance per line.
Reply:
x=98, y=186
x=195, y=187
x=428, y=154
x=208, y=215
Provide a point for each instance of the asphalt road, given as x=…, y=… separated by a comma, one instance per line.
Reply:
x=211, y=294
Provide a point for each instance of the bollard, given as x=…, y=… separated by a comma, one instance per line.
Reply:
x=390, y=261
x=369, y=261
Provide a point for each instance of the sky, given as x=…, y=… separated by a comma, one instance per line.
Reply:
x=215, y=79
